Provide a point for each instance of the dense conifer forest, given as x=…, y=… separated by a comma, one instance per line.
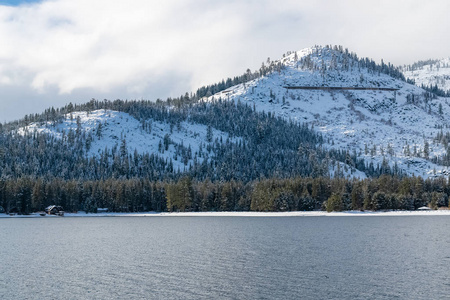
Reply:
x=25, y=195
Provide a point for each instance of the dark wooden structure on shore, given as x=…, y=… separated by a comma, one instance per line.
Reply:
x=55, y=210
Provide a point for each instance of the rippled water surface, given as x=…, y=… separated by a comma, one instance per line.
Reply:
x=225, y=258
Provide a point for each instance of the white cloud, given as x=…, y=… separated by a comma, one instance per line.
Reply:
x=64, y=50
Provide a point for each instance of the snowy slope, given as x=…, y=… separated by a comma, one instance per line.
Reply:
x=382, y=127
x=376, y=125
x=430, y=74
x=118, y=126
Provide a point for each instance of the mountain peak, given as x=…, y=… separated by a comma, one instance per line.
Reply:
x=358, y=106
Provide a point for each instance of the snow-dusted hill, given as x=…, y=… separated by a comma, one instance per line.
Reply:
x=111, y=129
x=383, y=127
x=430, y=73
x=391, y=124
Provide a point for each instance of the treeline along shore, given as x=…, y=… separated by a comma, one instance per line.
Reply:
x=26, y=195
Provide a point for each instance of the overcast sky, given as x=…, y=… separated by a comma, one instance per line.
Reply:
x=54, y=52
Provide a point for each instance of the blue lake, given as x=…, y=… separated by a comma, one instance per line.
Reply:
x=405, y=257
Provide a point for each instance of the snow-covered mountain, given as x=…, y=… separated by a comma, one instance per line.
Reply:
x=430, y=73
x=399, y=128
x=369, y=118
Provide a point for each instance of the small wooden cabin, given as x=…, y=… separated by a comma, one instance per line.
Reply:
x=54, y=210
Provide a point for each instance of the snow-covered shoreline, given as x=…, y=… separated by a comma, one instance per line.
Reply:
x=247, y=214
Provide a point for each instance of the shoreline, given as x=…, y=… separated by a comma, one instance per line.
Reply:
x=244, y=214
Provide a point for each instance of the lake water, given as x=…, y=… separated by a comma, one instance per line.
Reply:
x=225, y=258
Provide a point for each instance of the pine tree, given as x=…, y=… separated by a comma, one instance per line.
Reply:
x=426, y=150
x=209, y=134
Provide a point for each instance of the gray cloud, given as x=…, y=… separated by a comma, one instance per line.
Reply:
x=59, y=51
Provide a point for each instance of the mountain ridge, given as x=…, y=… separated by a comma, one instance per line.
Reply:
x=369, y=132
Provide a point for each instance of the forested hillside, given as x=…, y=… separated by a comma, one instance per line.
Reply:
x=250, y=145
x=359, y=106
x=258, y=141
